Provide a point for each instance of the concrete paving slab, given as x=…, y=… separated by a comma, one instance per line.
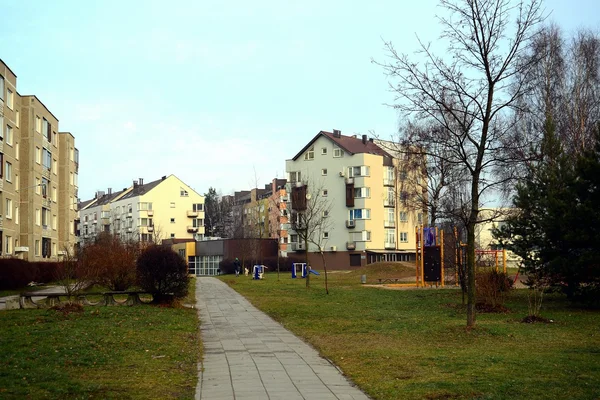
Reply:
x=247, y=355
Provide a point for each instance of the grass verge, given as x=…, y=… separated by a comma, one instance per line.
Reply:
x=413, y=344
x=141, y=352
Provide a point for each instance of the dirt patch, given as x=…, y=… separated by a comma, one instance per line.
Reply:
x=531, y=319
x=492, y=309
x=68, y=308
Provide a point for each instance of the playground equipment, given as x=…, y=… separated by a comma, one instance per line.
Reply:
x=299, y=266
x=258, y=272
x=430, y=256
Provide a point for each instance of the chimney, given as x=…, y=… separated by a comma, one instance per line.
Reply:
x=141, y=181
x=371, y=140
x=109, y=191
x=164, y=177
x=135, y=183
x=364, y=139
x=337, y=133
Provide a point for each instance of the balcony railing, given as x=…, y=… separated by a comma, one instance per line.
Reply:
x=192, y=229
x=388, y=202
x=192, y=214
x=46, y=172
x=389, y=245
x=150, y=228
x=150, y=213
x=388, y=182
x=389, y=224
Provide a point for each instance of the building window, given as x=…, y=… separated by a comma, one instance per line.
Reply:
x=16, y=215
x=172, y=235
x=172, y=220
x=38, y=124
x=55, y=166
x=360, y=213
x=390, y=236
x=38, y=217
x=37, y=248
x=8, y=172
x=9, y=245
x=325, y=214
x=324, y=193
x=362, y=192
x=54, y=222
x=54, y=193
x=295, y=176
x=38, y=185
x=198, y=207
x=71, y=180
x=359, y=171
x=310, y=154
x=403, y=237
x=9, y=135
x=390, y=215
x=1, y=87
x=46, y=159
x=17, y=149
x=17, y=118
x=366, y=236
x=10, y=99
x=9, y=208
x=53, y=248
x=403, y=216
x=324, y=151
x=38, y=155
x=16, y=182
x=325, y=235
x=324, y=171
x=183, y=192
x=337, y=152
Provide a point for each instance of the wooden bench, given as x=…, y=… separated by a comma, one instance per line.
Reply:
x=388, y=280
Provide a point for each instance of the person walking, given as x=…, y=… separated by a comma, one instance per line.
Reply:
x=236, y=264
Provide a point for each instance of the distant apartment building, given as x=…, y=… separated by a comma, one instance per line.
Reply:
x=367, y=219
x=261, y=213
x=38, y=177
x=166, y=208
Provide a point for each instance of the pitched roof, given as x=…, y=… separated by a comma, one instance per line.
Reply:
x=139, y=190
x=350, y=144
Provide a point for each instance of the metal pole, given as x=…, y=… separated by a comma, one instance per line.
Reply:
x=442, y=255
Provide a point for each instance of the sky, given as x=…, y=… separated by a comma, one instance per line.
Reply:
x=219, y=94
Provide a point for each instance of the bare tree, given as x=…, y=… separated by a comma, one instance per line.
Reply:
x=468, y=92
x=310, y=220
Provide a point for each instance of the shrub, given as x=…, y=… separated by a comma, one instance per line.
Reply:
x=15, y=273
x=492, y=287
x=163, y=273
x=110, y=261
x=45, y=271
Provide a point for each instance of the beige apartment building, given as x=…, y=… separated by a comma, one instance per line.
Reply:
x=357, y=184
x=166, y=208
x=39, y=167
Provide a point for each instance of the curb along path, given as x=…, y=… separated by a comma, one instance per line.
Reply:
x=247, y=355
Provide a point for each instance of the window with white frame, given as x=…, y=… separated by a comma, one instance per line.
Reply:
x=38, y=216
x=38, y=155
x=198, y=207
x=403, y=237
x=337, y=152
x=295, y=176
x=10, y=99
x=17, y=149
x=54, y=192
x=9, y=135
x=9, y=209
x=359, y=213
x=37, y=248
x=390, y=196
x=17, y=118
x=390, y=236
x=172, y=220
x=38, y=186
x=363, y=170
x=54, y=222
x=310, y=154
x=324, y=171
x=16, y=215
x=54, y=166
x=9, y=244
x=324, y=151
x=172, y=204
x=325, y=235
x=38, y=124
x=403, y=216
x=390, y=215
x=183, y=192
x=8, y=172
x=324, y=193
x=389, y=174
x=325, y=214
x=46, y=159
x=362, y=192
x=16, y=182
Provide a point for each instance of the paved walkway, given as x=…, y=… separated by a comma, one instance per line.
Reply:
x=247, y=355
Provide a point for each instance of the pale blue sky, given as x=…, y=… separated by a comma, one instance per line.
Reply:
x=213, y=91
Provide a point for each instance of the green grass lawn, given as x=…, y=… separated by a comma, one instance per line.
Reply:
x=399, y=344
x=141, y=352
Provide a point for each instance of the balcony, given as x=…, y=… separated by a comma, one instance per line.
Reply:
x=389, y=224
x=192, y=229
x=46, y=202
x=389, y=245
x=388, y=202
x=150, y=213
x=298, y=246
x=351, y=245
x=21, y=249
x=105, y=221
x=350, y=224
x=192, y=214
x=150, y=228
x=46, y=172
x=388, y=182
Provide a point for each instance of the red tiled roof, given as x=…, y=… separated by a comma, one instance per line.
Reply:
x=349, y=144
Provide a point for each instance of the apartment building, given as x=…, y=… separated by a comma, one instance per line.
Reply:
x=38, y=177
x=261, y=213
x=166, y=208
x=356, y=186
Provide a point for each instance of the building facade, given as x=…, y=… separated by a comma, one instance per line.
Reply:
x=354, y=184
x=38, y=170
x=166, y=208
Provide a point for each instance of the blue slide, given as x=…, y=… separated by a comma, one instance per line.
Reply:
x=312, y=271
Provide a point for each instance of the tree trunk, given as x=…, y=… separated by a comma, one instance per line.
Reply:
x=471, y=272
x=325, y=271
x=306, y=250
x=278, y=259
